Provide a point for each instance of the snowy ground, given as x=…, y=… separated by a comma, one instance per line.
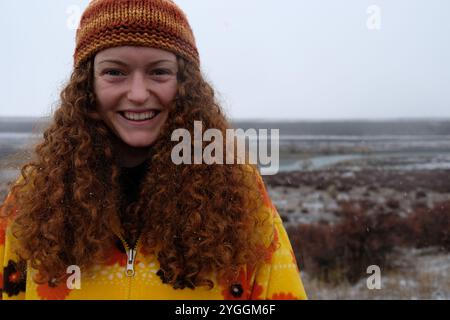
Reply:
x=392, y=184
x=421, y=274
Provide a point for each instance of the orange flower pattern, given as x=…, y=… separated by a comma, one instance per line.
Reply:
x=53, y=292
x=283, y=296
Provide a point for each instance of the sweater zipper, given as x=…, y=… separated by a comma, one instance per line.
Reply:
x=131, y=259
x=131, y=255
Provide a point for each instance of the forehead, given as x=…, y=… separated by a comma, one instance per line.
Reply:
x=135, y=55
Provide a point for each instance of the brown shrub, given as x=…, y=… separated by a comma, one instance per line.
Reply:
x=344, y=251
x=430, y=227
x=393, y=204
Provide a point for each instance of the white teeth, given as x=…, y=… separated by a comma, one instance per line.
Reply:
x=139, y=116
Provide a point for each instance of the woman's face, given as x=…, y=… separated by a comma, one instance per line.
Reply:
x=135, y=88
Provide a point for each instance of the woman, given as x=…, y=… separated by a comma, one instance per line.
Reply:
x=103, y=213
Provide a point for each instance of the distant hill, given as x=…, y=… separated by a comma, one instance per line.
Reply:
x=353, y=127
x=22, y=124
x=342, y=127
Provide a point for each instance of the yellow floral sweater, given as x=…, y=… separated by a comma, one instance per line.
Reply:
x=133, y=273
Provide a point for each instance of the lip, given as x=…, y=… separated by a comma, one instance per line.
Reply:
x=140, y=110
x=140, y=123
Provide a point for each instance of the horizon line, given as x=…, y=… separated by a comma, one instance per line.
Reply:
x=387, y=119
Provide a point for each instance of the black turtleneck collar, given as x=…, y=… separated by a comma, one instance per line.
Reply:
x=130, y=180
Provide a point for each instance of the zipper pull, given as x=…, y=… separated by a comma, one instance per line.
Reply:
x=131, y=255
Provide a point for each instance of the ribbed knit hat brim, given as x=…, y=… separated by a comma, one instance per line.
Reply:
x=153, y=23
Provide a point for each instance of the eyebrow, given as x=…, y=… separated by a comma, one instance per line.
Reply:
x=125, y=65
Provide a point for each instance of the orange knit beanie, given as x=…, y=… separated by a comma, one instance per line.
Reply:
x=153, y=23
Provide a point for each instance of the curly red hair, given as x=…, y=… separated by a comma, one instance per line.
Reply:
x=202, y=218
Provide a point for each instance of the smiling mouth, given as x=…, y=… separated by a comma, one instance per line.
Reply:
x=141, y=116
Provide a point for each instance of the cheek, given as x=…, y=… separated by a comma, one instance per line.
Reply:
x=168, y=93
x=105, y=97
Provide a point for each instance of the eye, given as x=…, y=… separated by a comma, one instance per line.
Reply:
x=161, y=72
x=113, y=72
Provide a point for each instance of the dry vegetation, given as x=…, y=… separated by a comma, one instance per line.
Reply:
x=335, y=257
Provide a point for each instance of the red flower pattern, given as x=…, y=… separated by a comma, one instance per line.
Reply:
x=283, y=296
x=59, y=292
x=118, y=256
x=2, y=232
x=243, y=282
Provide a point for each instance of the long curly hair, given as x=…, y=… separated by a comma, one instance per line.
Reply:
x=202, y=218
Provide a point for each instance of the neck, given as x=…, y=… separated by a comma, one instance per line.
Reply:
x=129, y=156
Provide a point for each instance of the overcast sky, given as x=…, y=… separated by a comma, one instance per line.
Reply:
x=267, y=59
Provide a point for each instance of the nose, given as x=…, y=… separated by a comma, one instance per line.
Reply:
x=138, y=91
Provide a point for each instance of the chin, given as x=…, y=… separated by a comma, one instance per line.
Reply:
x=141, y=144
x=138, y=139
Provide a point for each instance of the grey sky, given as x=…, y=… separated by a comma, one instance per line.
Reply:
x=268, y=59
